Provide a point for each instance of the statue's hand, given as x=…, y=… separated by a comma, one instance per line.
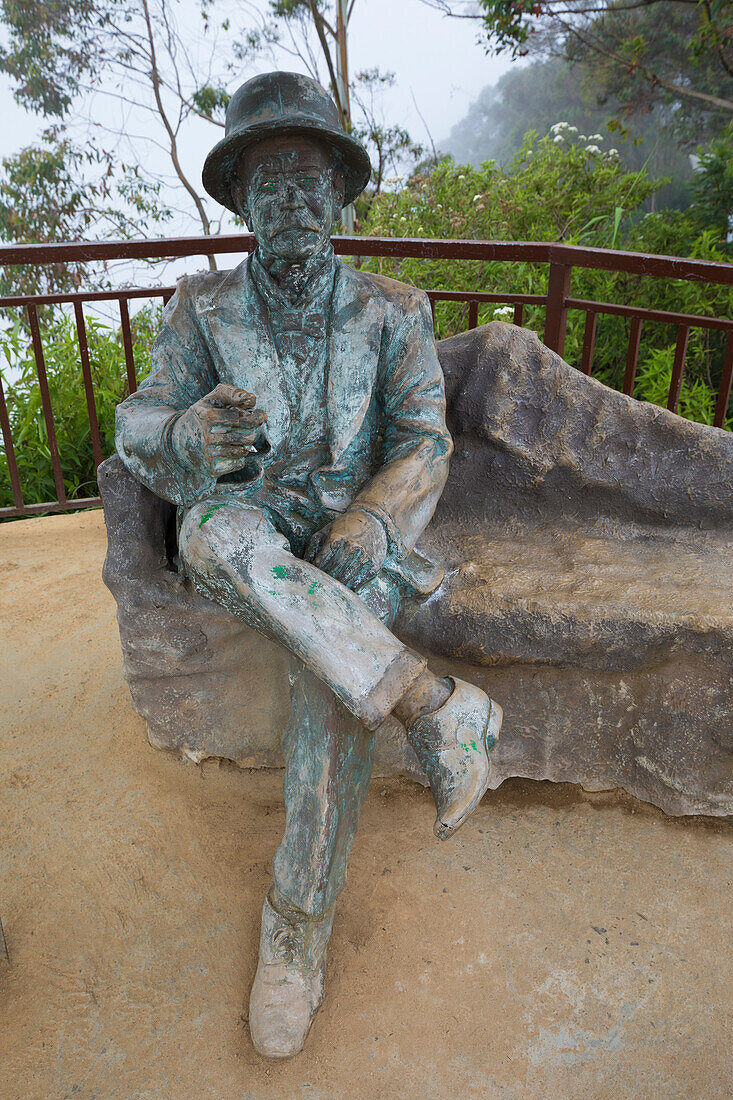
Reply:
x=219, y=431
x=352, y=549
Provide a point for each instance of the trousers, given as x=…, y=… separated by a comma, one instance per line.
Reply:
x=347, y=671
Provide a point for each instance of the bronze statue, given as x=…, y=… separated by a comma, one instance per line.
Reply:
x=295, y=414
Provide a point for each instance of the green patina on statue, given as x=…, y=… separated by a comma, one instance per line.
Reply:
x=295, y=414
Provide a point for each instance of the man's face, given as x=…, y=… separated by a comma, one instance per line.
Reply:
x=289, y=192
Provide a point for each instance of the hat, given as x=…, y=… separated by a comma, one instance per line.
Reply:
x=275, y=104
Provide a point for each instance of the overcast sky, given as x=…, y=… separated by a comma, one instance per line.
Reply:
x=436, y=60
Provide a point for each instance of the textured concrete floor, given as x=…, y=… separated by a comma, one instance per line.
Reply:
x=561, y=945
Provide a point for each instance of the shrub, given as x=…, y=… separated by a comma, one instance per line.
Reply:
x=560, y=187
x=66, y=389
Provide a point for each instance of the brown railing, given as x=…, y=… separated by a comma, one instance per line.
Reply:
x=557, y=301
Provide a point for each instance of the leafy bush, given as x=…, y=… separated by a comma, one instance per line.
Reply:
x=557, y=188
x=66, y=389
x=560, y=187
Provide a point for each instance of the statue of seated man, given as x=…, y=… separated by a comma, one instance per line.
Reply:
x=295, y=414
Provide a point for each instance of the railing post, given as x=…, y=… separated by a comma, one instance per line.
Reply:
x=86, y=371
x=10, y=453
x=127, y=344
x=53, y=448
x=556, y=319
x=632, y=356
x=721, y=405
x=589, y=342
x=675, y=385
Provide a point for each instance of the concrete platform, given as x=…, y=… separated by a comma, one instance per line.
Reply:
x=562, y=945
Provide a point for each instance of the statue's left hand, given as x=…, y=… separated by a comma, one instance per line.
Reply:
x=352, y=549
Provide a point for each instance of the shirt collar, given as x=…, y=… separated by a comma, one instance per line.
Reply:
x=316, y=277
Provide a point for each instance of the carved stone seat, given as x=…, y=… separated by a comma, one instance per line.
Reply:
x=589, y=591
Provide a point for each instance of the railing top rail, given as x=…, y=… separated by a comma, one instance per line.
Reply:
x=635, y=263
x=73, y=296
x=694, y=320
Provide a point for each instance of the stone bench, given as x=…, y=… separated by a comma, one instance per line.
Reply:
x=585, y=538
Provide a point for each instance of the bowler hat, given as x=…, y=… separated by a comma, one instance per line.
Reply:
x=278, y=104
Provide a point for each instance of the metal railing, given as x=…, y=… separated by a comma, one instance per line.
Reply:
x=560, y=258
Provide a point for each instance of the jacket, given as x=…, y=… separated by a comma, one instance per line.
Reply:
x=389, y=447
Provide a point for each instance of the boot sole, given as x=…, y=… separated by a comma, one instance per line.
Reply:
x=443, y=830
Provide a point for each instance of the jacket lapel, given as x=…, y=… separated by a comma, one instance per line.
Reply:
x=356, y=333
x=240, y=333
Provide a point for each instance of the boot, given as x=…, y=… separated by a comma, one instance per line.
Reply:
x=290, y=981
x=452, y=744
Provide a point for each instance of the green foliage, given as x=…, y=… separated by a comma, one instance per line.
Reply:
x=697, y=400
x=560, y=188
x=508, y=25
x=50, y=49
x=211, y=102
x=290, y=9
x=66, y=388
x=557, y=188
x=713, y=207
x=55, y=191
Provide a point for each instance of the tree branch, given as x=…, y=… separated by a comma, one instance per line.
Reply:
x=318, y=22
x=156, y=83
x=593, y=43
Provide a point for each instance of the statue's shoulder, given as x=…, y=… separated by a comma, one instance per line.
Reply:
x=367, y=283
x=203, y=286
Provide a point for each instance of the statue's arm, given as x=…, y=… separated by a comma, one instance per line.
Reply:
x=182, y=372
x=416, y=445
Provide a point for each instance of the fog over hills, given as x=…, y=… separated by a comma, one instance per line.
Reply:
x=534, y=97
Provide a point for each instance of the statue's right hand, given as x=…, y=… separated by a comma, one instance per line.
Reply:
x=219, y=431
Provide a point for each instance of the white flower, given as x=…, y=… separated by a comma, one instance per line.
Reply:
x=477, y=197
x=573, y=130
x=613, y=152
x=461, y=177
x=559, y=140
x=530, y=154
x=582, y=137
x=403, y=218
x=559, y=126
x=596, y=137
x=439, y=206
x=592, y=149
x=504, y=313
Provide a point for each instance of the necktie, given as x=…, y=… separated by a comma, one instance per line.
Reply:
x=308, y=324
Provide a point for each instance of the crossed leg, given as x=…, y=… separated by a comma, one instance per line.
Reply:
x=235, y=555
